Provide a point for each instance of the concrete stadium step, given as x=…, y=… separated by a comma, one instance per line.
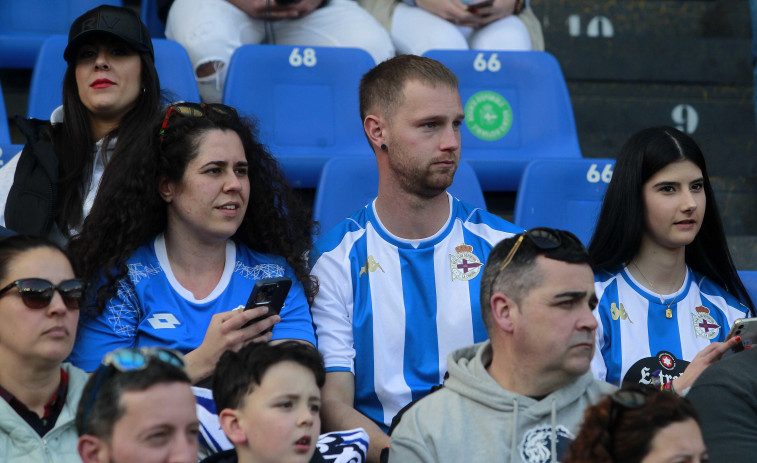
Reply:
x=647, y=18
x=720, y=118
x=674, y=59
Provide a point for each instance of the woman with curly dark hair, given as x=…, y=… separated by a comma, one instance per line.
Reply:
x=636, y=425
x=178, y=237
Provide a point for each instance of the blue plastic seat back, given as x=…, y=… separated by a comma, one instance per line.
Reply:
x=305, y=100
x=749, y=278
x=517, y=109
x=46, y=89
x=177, y=78
x=8, y=151
x=5, y=135
x=563, y=193
x=25, y=24
x=349, y=183
x=148, y=12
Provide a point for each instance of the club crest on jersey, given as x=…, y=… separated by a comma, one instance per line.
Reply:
x=464, y=265
x=704, y=325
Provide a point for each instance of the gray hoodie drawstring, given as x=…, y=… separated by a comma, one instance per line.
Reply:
x=514, y=450
x=554, y=434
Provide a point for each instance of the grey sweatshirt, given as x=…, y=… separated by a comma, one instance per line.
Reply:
x=474, y=420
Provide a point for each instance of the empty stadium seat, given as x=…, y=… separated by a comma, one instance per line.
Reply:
x=517, y=109
x=148, y=11
x=25, y=24
x=349, y=183
x=45, y=92
x=5, y=135
x=749, y=278
x=7, y=150
x=306, y=102
x=563, y=193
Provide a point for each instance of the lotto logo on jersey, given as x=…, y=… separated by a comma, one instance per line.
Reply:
x=163, y=320
x=464, y=265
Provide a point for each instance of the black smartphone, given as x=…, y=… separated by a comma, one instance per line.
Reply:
x=271, y=292
x=747, y=329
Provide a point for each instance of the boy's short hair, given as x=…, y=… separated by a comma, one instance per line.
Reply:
x=238, y=373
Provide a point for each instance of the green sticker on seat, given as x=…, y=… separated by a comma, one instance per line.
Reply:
x=488, y=115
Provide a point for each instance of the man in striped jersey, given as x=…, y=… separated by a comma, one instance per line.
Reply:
x=399, y=279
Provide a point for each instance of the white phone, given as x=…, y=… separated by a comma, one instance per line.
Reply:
x=747, y=329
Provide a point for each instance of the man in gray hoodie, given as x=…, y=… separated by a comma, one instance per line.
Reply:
x=520, y=396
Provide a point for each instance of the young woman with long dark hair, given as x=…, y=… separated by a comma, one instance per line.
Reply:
x=110, y=93
x=667, y=287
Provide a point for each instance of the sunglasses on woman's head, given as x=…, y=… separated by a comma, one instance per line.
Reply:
x=36, y=293
x=195, y=110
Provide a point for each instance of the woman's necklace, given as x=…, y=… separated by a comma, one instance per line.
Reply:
x=668, y=311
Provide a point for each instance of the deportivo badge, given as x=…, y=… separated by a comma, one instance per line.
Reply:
x=704, y=325
x=464, y=265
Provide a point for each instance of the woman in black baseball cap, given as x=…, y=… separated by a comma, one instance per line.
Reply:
x=110, y=91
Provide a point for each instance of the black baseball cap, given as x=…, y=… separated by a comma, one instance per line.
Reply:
x=117, y=21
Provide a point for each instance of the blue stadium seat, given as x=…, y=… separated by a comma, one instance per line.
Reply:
x=8, y=151
x=25, y=24
x=148, y=12
x=349, y=183
x=306, y=102
x=563, y=193
x=517, y=109
x=749, y=278
x=5, y=135
x=45, y=92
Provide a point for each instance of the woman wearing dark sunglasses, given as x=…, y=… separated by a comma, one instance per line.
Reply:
x=639, y=426
x=667, y=287
x=182, y=230
x=39, y=311
x=110, y=93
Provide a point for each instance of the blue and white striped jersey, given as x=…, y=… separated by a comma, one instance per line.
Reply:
x=635, y=323
x=390, y=310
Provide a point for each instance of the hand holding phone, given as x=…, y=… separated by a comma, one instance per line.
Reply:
x=746, y=329
x=271, y=292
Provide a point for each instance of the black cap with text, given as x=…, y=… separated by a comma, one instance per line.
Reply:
x=119, y=22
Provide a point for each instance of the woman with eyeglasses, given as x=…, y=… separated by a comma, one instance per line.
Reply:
x=110, y=92
x=39, y=311
x=183, y=228
x=667, y=287
x=639, y=426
